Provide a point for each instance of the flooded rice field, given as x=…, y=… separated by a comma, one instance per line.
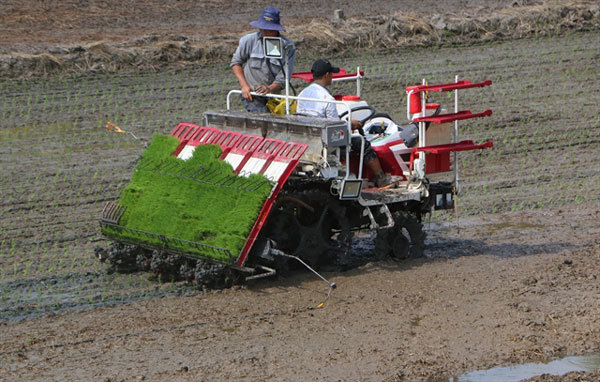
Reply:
x=513, y=279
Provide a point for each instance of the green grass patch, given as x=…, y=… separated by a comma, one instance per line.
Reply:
x=187, y=209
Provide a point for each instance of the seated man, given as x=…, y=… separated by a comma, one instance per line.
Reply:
x=322, y=77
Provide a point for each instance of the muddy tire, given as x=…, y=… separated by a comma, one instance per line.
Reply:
x=310, y=224
x=403, y=241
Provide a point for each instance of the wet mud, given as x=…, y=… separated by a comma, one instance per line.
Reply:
x=422, y=319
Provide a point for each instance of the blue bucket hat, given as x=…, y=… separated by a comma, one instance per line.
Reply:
x=269, y=20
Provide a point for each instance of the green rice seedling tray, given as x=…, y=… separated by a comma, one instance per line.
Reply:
x=198, y=206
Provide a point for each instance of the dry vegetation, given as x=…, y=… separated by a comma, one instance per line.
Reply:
x=318, y=36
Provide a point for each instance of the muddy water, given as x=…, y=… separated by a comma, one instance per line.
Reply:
x=529, y=370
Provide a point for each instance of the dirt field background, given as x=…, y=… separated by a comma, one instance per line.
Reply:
x=515, y=281
x=31, y=24
x=46, y=38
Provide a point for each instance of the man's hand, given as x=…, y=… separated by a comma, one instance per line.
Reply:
x=238, y=71
x=262, y=89
x=266, y=89
x=246, y=93
x=356, y=124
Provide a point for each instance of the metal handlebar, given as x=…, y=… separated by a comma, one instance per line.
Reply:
x=348, y=123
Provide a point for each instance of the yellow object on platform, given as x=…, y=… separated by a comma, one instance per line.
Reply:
x=277, y=105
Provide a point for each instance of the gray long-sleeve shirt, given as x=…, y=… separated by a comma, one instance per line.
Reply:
x=250, y=55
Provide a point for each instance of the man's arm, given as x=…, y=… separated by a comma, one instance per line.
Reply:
x=240, y=56
x=265, y=89
x=238, y=71
x=331, y=110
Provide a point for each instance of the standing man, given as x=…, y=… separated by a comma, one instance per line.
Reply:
x=253, y=70
x=322, y=72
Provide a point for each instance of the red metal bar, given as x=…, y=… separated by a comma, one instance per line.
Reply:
x=291, y=151
x=182, y=144
x=444, y=118
x=226, y=140
x=269, y=148
x=266, y=208
x=464, y=84
x=308, y=77
x=451, y=147
x=245, y=145
x=184, y=130
x=203, y=135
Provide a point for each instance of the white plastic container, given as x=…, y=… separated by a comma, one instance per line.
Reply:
x=353, y=101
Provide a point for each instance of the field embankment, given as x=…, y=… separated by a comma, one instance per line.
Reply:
x=146, y=41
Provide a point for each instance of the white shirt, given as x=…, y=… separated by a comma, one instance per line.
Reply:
x=317, y=109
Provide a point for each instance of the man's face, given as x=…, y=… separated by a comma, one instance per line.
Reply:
x=328, y=78
x=268, y=33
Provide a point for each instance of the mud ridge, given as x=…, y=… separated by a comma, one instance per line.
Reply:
x=319, y=36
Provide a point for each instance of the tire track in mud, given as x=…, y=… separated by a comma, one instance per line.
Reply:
x=216, y=321
x=228, y=329
x=34, y=297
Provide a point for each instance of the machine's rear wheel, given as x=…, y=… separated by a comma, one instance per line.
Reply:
x=310, y=225
x=405, y=240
